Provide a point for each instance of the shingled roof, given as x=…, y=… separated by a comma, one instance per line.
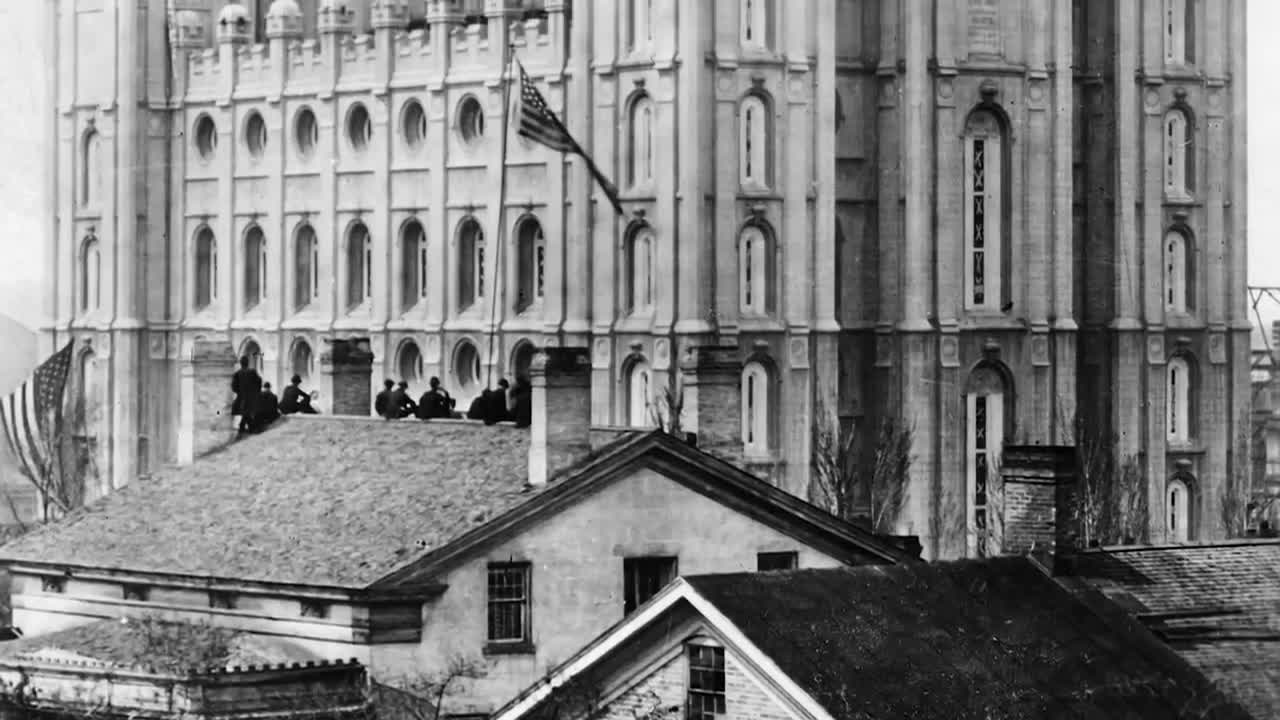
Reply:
x=1218, y=606
x=975, y=637
x=361, y=503
x=329, y=502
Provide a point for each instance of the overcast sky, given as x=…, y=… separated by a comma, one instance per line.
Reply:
x=22, y=189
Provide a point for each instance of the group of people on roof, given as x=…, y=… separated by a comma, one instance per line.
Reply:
x=258, y=406
x=492, y=405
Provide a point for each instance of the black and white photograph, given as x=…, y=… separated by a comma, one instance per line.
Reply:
x=639, y=360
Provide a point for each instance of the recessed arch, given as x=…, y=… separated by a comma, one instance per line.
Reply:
x=90, y=273
x=1181, y=384
x=638, y=391
x=755, y=140
x=531, y=260
x=1179, y=152
x=988, y=393
x=639, y=248
x=413, y=263
x=641, y=117
x=91, y=168
x=986, y=207
x=1179, y=270
x=470, y=241
x=254, y=261
x=306, y=266
x=1179, y=506
x=205, y=268
x=466, y=367
x=757, y=269
x=522, y=360
x=302, y=359
x=249, y=348
x=359, y=265
x=409, y=363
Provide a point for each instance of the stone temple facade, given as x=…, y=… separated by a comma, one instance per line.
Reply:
x=980, y=215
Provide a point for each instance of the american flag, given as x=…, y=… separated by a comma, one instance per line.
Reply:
x=31, y=413
x=536, y=121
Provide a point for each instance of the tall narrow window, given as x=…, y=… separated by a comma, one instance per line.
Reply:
x=359, y=267
x=755, y=21
x=640, y=142
x=91, y=169
x=531, y=251
x=755, y=272
x=753, y=150
x=1178, y=157
x=306, y=268
x=640, y=270
x=1179, y=31
x=755, y=409
x=983, y=210
x=1177, y=273
x=255, y=268
x=1179, y=393
x=1178, y=507
x=640, y=395
x=409, y=363
x=706, y=696
x=470, y=263
x=984, y=444
x=640, y=27
x=508, y=599
x=90, y=275
x=302, y=361
x=413, y=265
x=252, y=350
x=206, y=279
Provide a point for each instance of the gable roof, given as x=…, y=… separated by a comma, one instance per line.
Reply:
x=907, y=640
x=357, y=503
x=1218, y=606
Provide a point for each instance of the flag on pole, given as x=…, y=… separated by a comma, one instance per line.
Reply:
x=30, y=415
x=536, y=121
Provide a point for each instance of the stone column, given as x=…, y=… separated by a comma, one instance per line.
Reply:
x=205, y=422
x=346, y=370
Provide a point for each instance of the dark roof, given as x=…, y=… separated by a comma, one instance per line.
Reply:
x=153, y=645
x=973, y=639
x=1218, y=606
x=313, y=501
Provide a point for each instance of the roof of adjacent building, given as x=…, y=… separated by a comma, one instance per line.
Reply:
x=154, y=645
x=350, y=502
x=968, y=636
x=1216, y=605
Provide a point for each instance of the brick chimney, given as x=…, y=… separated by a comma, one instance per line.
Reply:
x=712, y=383
x=1038, y=483
x=346, y=371
x=205, y=398
x=561, y=400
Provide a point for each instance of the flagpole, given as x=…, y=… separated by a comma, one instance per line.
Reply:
x=497, y=283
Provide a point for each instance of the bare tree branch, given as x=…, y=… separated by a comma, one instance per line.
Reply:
x=853, y=478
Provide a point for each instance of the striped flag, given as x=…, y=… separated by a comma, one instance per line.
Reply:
x=31, y=414
x=536, y=121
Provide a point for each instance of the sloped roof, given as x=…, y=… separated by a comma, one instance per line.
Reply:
x=982, y=639
x=153, y=645
x=1218, y=606
x=331, y=502
x=350, y=502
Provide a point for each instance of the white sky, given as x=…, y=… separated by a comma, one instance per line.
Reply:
x=22, y=190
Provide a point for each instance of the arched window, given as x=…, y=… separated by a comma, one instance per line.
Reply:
x=531, y=250
x=639, y=25
x=1179, y=31
x=306, y=267
x=359, y=266
x=522, y=360
x=470, y=263
x=755, y=30
x=755, y=272
x=983, y=211
x=639, y=261
x=409, y=363
x=1178, y=511
x=753, y=142
x=91, y=169
x=640, y=142
x=90, y=274
x=250, y=349
x=206, y=285
x=1179, y=393
x=255, y=267
x=1179, y=285
x=984, y=442
x=413, y=265
x=1178, y=154
x=640, y=394
x=466, y=367
x=755, y=409
x=301, y=360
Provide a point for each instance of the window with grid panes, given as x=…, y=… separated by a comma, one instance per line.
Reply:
x=643, y=577
x=509, y=603
x=706, y=698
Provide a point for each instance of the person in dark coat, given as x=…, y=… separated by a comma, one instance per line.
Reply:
x=435, y=402
x=522, y=403
x=382, y=403
x=494, y=404
x=247, y=386
x=402, y=405
x=294, y=400
x=268, y=408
